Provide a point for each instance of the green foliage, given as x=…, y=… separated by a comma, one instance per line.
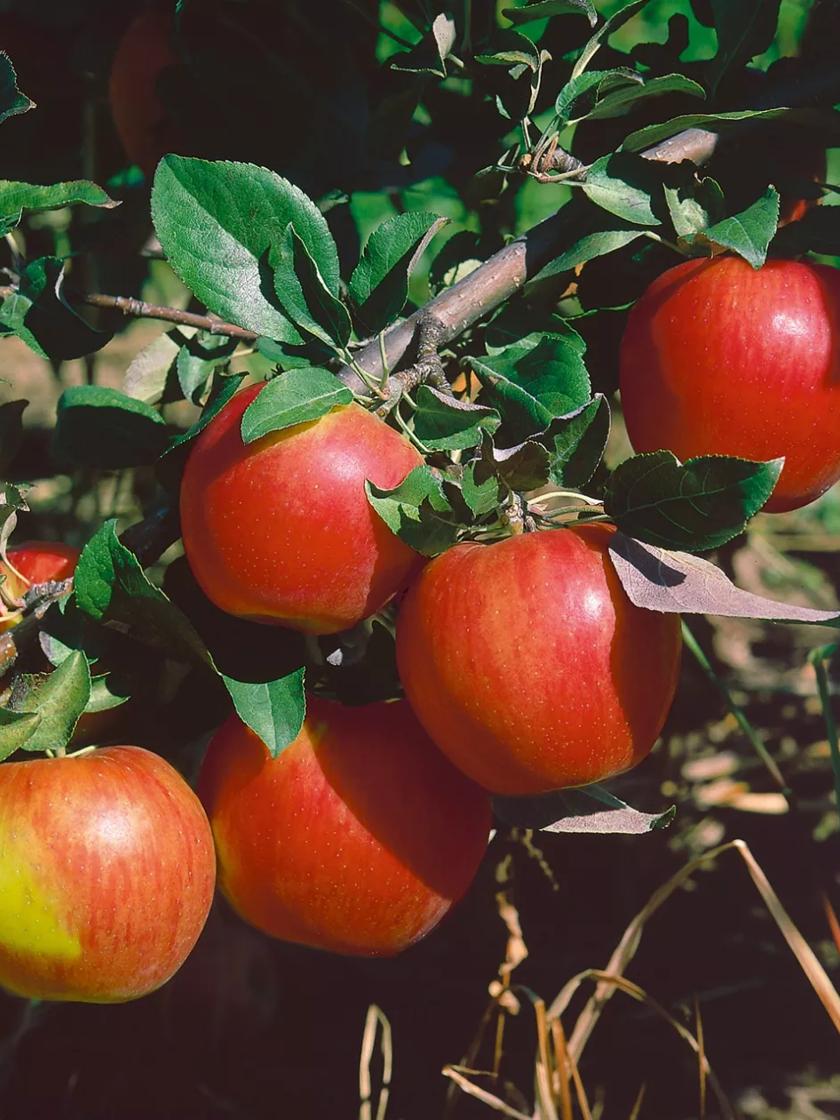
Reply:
x=99, y=427
x=57, y=699
x=297, y=396
x=274, y=710
x=39, y=314
x=12, y=101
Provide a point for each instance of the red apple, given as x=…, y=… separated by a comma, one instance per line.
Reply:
x=358, y=838
x=106, y=875
x=280, y=530
x=35, y=562
x=141, y=120
x=721, y=359
x=528, y=665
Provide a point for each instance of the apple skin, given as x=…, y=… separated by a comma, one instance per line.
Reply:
x=721, y=359
x=107, y=872
x=280, y=530
x=528, y=665
x=141, y=120
x=37, y=562
x=357, y=839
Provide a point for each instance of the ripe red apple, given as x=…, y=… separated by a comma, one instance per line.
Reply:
x=720, y=358
x=280, y=530
x=357, y=839
x=141, y=120
x=106, y=875
x=36, y=562
x=528, y=665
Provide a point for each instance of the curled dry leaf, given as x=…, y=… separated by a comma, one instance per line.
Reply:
x=677, y=582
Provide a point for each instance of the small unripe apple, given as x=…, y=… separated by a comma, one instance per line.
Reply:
x=528, y=665
x=106, y=875
x=719, y=358
x=358, y=838
x=280, y=530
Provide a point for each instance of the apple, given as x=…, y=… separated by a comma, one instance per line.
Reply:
x=107, y=873
x=357, y=839
x=528, y=665
x=141, y=120
x=31, y=563
x=719, y=358
x=280, y=530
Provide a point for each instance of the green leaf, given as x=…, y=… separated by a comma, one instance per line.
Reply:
x=696, y=505
x=523, y=467
x=623, y=185
x=12, y=101
x=743, y=30
x=587, y=248
x=511, y=48
x=588, y=809
x=430, y=54
x=217, y=222
x=17, y=197
x=11, y=431
x=111, y=587
x=304, y=294
x=654, y=133
x=616, y=20
x=379, y=284
x=16, y=727
x=274, y=710
x=295, y=397
x=444, y=423
x=545, y=9
x=148, y=371
x=749, y=233
x=480, y=488
x=39, y=315
x=590, y=86
x=417, y=511
x=198, y=359
x=577, y=442
x=99, y=427
x=694, y=206
x=533, y=380
x=623, y=101
x=59, y=698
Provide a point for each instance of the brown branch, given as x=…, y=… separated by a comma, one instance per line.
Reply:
x=139, y=309
x=505, y=273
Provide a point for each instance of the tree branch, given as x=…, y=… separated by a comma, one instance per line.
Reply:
x=505, y=273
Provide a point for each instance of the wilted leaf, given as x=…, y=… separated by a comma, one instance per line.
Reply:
x=587, y=809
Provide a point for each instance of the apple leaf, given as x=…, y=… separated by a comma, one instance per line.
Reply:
x=545, y=9
x=148, y=371
x=694, y=206
x=578, y=96
x=39, y=315
x=576, y=443
x=587, y=809
x=16, y=727
x=621, y=101
x=217, y=222
x=295, y=397
x=749, y=233
x=696, y=505
x=12, y=101
x=603, y=33
x=430, y=54
x=198, y=358
x=16, y=197
x=654, y=133
x=58, y=697
x=743, y=30
x=676, y=582
x=305, y=295
x=107, y=691
x=444, y=423
x=100, y=427
x=480, y=488
x=417, y=511
x=525, y=466
x=274, y=710
x=511, y=48
x=622, y=184
x=379, y=285
x=111, y=587
x=11, y=431
x=587, y=248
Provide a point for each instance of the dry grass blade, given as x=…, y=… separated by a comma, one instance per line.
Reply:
x=800, y=948
x=473, y=1090
x=563, y=1069
x=546, y=1109
x=376, y=1025
x=701, y=1057
x=831, y=918
x=637, y=993
x=637, y=1104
